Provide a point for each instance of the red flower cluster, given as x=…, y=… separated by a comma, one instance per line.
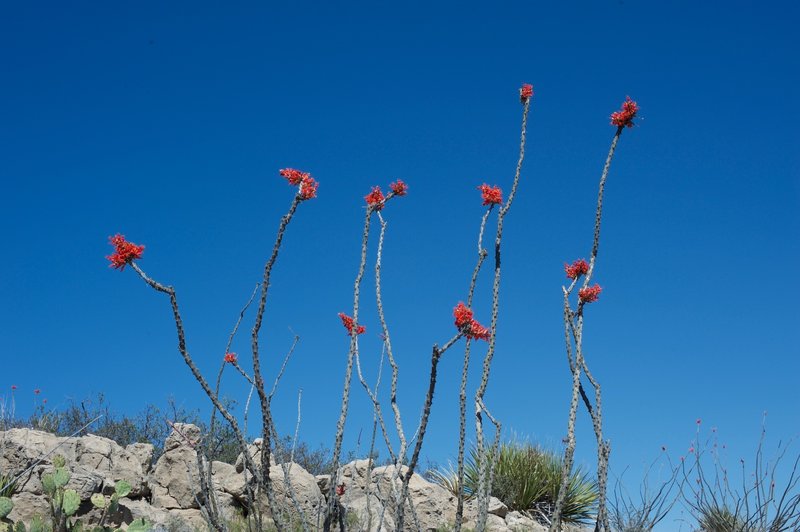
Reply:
x=624, y=117
x=375, y=198
x=124, y=252
x=589, y=294
x=13, y=387
x=294, y=177
x=399, y=188
x=576, y=269
x=350, y=325
x=230, y=358
x=491, y=195
x=37, y=391
x=470, y=326
x=340, y=489
x=525, y=92
x=308, y=186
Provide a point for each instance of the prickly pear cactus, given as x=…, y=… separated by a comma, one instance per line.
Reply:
x=70, y=502
x=5, y=507
x=61, y=476
x=139, y=525
x=59, y=461
x=122, y=488
x=99, y=501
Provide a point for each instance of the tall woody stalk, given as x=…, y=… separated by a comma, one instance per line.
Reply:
x=573, y=333
x=126, y=253
x=372, y=206
x=462, y=394
x=484, y=482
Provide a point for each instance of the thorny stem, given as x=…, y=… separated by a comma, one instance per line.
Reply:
x=462, y=394
x=436, y=354
x=390, y=354
x=376, y=405
x=337, y=448
x=206, y=483
x=266, y=414
x=283, y=367
x=570, y=317
x=170, y=291
x=483, y=487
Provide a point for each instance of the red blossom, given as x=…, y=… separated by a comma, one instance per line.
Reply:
x=525, y=92
x=624, y=117
x=375, y=198
x=477, y=331
x=462, y=314
x=349, y=324
x=124, y=252
x=491, y=195
x=399, y=188
x=230, y=358
x=471, y=327
x=37, y=391
x=13, y=387
x=576, y=269
x=340, y=489
x=294, y=177
x=308, y=188
x=589, y=294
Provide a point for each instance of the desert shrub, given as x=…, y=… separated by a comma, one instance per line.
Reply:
x=528, y=479
x=761, y=500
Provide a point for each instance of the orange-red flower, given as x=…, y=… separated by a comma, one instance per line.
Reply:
x=124, y=252
x=525, y=92
x=576, y=269
x=375, y=198
x=399, y=188
x=350, y=325
x=465, y=322
x=294, y=177
x=308, y=188
x=230, y=358
x=491, y=195
x=462, y=314
x=624, y=117
x=590, y=293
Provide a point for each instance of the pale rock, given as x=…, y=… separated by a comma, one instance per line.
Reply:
x=433, y=504
x=27, y=505
x=174, y=482
x=144, y=454
x=368, y=520
x=303, y=485
x=518, y=522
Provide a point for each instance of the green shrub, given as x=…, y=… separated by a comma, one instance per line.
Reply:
x=527, y=479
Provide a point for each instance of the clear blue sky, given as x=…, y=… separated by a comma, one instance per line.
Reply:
x=168, y=123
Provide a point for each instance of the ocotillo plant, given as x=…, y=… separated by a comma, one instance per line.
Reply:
x=485, y=469
x=573, y=335
x=127, y=253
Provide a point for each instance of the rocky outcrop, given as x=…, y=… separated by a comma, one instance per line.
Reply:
x=168, y=495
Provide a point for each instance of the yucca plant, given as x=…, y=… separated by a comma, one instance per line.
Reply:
x=527, y=479
x=721, y=519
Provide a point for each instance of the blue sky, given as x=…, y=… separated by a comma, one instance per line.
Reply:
x=168, y=123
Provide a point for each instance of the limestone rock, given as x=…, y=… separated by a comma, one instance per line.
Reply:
x=518, y=522
x=174, y=481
